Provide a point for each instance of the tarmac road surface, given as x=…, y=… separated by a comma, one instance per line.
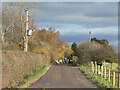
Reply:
x=63, y=76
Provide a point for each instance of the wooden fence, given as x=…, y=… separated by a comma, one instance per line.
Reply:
x=106, y=73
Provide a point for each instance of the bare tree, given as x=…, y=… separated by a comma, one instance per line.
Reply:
x=13, y=25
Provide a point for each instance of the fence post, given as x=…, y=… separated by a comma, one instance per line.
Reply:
x=101, y=71
x=104, y=72
x=113, y=79
x=118, y=80
x=104, y=63
x=95, y=67
x=92, y=65
x=108, y=75
x=98, y=69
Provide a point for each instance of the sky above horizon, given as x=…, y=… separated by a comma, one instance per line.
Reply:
x=74, y=20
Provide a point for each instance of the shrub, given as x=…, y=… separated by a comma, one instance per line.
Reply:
x=96, y=52
x=74, y=60
x=43, y=51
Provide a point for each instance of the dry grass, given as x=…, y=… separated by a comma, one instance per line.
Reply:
x=32, y=78
x=17, y=64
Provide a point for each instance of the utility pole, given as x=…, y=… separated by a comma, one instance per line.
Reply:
x=89, y=36
x=26, y=36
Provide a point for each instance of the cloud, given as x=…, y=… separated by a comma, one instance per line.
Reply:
x=88, y=14
x=81, y=34
x=113, y=39
x=86, y=20
x=79, y=29
x=75, y=20
x=72, y=29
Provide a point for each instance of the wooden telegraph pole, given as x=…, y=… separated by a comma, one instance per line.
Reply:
x=89, y=36
x=26, y=36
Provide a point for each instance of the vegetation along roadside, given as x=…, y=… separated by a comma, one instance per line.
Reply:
x=96, y=79
x=31, y=78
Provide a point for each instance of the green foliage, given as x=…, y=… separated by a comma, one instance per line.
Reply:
x=32, y=77
x=118, y=68
x=96, y=79
x=74, y=48
x=40, y=43
x=74, y=60
x=103, y=41
x=70, y=57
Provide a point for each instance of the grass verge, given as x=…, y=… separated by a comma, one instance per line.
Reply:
x=31, y=78
x=95, y=78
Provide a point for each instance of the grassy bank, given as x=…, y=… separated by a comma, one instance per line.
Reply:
x=31, y=78
x=18, y=64
x=95, y=78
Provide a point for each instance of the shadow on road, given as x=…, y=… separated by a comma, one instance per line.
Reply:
x=63, y=64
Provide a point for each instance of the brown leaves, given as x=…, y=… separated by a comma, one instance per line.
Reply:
x=50, y=43
x=96, y=52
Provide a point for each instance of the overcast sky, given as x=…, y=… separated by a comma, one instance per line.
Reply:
x=75, y=20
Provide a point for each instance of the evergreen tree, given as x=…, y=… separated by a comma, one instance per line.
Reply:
x=74, y=48
x=103, y=41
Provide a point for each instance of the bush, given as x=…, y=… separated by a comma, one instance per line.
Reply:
x=44, y=51
x=74, y=60
x=96, y=52
x=11, y=46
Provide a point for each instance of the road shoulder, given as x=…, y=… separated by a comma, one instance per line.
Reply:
x=34, y=77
